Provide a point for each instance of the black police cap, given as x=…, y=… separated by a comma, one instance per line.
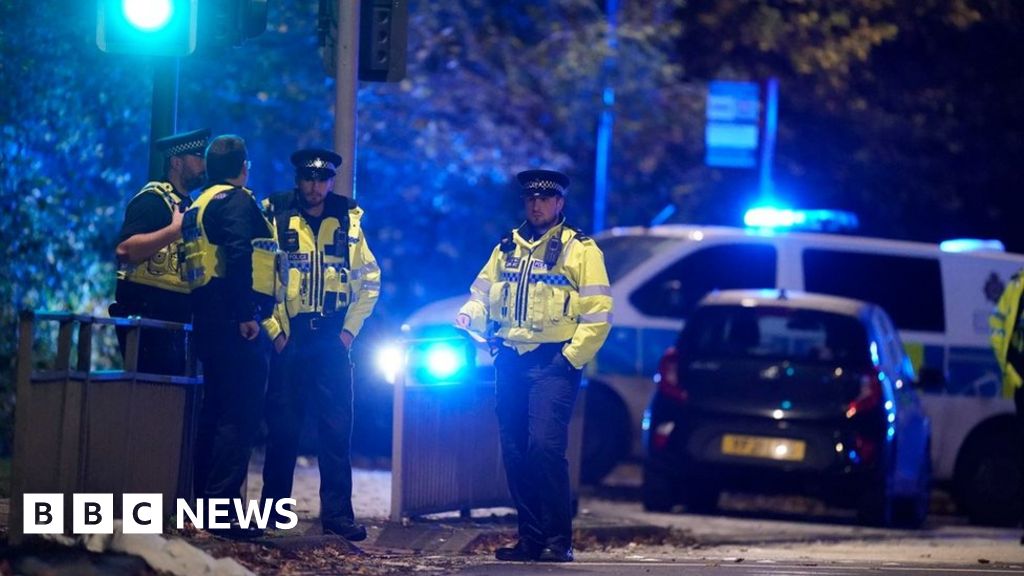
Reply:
x=193, y=143
x=315, y=163
x=542, y=183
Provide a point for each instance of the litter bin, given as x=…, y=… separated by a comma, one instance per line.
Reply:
x=446, y=451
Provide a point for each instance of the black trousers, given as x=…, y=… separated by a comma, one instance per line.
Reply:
x=535, y=397
x=235, y=379
x=314, y=365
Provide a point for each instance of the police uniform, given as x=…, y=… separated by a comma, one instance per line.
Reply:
x=333, y=285
x=230, y=258
x=155, y=288
x=1007, y=334
x=547, y=302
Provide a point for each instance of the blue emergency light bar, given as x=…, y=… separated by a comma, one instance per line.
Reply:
x=971, y=245
x=771, y=217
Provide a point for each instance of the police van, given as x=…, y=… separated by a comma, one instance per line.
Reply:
x=938, y=295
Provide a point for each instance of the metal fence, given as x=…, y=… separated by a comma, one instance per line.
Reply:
x=98, y=431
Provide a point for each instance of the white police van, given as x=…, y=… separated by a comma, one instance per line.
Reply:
x=939, y=296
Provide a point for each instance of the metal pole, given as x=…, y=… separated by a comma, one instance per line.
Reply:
x=164, y=119
x=607, y=121
x=346, y=58
x=771, y=128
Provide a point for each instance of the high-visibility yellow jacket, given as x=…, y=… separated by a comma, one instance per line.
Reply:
x=1007, y=334
x=205, y=261
x=161, y=270
x=552, y=289
x=330, y=273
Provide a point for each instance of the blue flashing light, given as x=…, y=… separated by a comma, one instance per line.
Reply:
x=785, y=218
x=443, y=361
x=971, y=245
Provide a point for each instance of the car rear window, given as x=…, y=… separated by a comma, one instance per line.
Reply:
x=774, y=333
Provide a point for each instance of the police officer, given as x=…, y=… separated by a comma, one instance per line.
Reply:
x=149, y=282
x=230, y=252
x=1007, y=332
x=333, y=285
x=544, y=298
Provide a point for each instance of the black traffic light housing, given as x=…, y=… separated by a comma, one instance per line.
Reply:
x=155, y=28
x=383, y=26
x=227, y=23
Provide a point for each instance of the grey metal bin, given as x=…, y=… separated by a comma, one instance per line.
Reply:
x=446, y=453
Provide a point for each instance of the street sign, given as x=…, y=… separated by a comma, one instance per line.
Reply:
x=732, y=132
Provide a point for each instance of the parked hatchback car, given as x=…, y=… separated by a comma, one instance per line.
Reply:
x=773, y=391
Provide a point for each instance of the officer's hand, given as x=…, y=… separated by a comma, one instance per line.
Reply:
x=280, y=342
x=462, y=321
x=346, y=339
x=249, y=330
x=176, y=217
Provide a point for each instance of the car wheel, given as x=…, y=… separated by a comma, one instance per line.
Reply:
x=876, y=504
x=990, y=485
x=911, y=511
x=606, y=433
x=700, y=499
x=658, y=490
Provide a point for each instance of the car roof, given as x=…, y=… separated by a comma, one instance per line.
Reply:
x=787, y=299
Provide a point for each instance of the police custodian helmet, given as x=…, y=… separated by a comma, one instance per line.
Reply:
x=542, y=183
x=315, y=164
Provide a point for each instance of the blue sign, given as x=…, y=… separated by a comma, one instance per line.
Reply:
x=732, y=131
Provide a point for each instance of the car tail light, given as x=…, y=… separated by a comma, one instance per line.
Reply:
x=870, y=396
x=668, y=377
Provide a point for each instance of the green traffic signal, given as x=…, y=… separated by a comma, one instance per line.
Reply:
x=147, y=27
x=148, y=15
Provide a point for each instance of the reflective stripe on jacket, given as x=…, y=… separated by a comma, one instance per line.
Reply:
x=161, y=270
x=520, y=298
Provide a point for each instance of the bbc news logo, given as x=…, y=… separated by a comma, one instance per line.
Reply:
x=143, y=513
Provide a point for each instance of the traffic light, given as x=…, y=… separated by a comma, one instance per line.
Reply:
x=382, y=40
x=147, y=27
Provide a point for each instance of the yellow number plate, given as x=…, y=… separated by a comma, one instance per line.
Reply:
x=763, y=447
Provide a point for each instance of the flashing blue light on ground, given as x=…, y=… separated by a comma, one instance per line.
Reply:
x=148, y=14
x=971, y=245
x=785, y=218
x=443, y=361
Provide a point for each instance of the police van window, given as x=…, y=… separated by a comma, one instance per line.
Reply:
x=676, y=290
x=908, y=288
x=624, y=253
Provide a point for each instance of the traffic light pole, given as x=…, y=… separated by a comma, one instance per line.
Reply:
x=164, y=119
x=346, y=86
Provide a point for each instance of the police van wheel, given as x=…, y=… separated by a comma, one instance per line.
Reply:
x=606, y=433
x=989, y=485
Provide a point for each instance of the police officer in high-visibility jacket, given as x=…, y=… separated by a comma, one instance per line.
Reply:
x=149, y=280
x=230, y=261
x=1007, y=332
x=543, y=298
x=333, y=285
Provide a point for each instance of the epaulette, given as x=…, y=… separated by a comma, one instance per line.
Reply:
x=580, y=235
x=279, y=202
x=506, y=244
